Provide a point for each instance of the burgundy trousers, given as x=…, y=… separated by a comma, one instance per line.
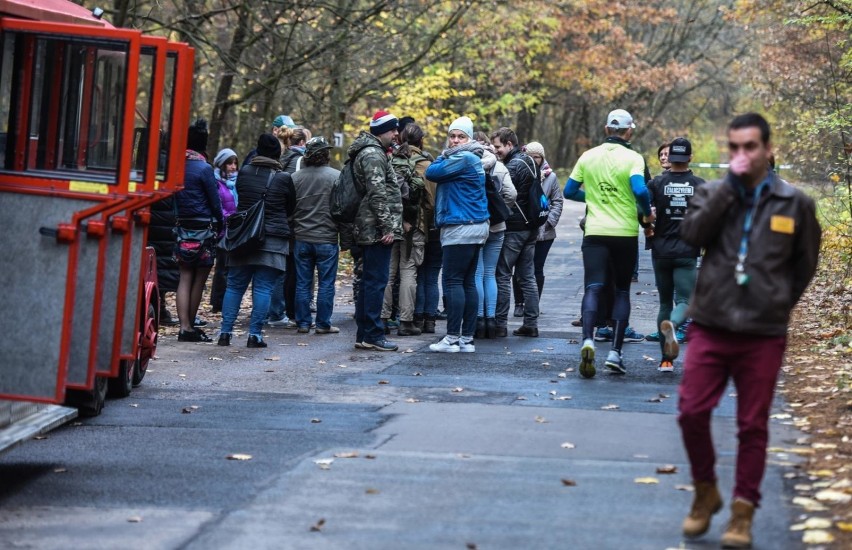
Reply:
x=753, y=362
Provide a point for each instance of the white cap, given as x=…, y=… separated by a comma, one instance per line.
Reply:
x=619, y=119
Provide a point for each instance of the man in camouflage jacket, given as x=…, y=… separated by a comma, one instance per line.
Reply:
x=377, y=225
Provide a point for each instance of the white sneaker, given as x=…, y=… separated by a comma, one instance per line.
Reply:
x=448, y=344
x=587, y=359
x=615, y=363
x=466, y=344
x=282, y=322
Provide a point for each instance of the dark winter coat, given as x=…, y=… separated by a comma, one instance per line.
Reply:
x=161, y=237
x=524, y=173
x=782, y=255
x=280, y=198
x=672, y=193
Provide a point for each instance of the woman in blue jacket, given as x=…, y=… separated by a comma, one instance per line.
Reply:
x=461, y=214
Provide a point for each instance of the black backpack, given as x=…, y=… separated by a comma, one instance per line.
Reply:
x=498, y=212
x=346, y=195
x=538, y=204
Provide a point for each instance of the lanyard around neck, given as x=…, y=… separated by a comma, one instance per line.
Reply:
x=748, y=224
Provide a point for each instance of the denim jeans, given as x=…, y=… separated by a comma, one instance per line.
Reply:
x=459, y=265
x=262, y=280
x=486, y=279
x=427, y=278
x=323, y=258
x=277, y=305
x=517, y=254
x=368, y=307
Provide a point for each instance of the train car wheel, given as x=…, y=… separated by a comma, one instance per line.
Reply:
x=147, y=343
x=122, y=385
x=88, y=402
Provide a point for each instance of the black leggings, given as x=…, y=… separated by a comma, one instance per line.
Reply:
x=602, y=256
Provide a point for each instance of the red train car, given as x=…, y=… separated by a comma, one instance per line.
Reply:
x=87, y=115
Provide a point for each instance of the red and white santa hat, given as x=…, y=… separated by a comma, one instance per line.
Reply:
x=383, y=122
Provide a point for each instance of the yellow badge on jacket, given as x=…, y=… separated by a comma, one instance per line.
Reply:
x=782, y=224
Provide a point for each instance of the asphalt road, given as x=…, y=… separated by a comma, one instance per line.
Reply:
x=505, y=448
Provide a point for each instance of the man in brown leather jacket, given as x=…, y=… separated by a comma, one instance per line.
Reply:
x=762, y=239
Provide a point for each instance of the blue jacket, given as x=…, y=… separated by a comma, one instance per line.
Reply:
x=200, y=195
x=460, y=197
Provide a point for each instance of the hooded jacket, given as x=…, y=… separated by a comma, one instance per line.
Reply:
x=380, y=211
x=523, y=172
x=782, y=255
x=498, y=170
x=550, y=186
x=460, y=197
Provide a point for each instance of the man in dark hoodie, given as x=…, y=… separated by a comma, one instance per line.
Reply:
x=518, y=250
x=378, y=224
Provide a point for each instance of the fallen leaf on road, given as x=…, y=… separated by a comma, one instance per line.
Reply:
x=372, y=491
x=60, y=470
x=552, y=392
x=352, y=454
x=611, y=407
x=824, y=445
x=667, y=469
x=239, y=456
x=781, y=416
x=412, y=400
x=562, y=398
x=40, y=437
x=541, y=420
x=520, y=398
x=663, y=396
x=545, y=364
x=342, y=366
x=550, y=347
x=418, y=374
x=808, y=504
x=188, y=410
x=648, y=358
x=215, y=358
x=324, y=463
x=370, y=457
x=536, y=351
x=573, y=341
x=134, y=519
x=134, y=405
x=273, y=358
x=688, y=488
x=835, y=497
x=567, y=445
x=303, y=344
x=654, y=400
x=458, y=390
x=321, y=362
x=562, y=375
x=844, y=526
x=812, y=523
x=471, y=546
x=318, y=525
x=817, y=536
x=409, y=350
x=383, y=382
x=182, y=375
x=269, y=370
x=315, y=420
x=569, y=369
x=646, y=480
x=569, y=482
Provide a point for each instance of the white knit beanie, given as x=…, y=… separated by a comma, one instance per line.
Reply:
x=462, y=124
x=535, y=148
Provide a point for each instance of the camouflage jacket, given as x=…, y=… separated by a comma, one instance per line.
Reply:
x=380, y=211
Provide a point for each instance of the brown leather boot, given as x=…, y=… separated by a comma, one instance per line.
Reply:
x=738, y=533
x=707, y=502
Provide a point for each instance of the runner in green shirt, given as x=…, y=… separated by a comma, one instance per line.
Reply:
x=613, y=177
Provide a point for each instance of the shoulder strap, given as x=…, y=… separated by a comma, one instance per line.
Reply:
x=268, y=183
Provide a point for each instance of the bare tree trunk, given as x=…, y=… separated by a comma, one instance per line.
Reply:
x=222, y=106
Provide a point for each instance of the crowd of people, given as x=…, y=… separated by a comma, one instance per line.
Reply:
x=483, y=213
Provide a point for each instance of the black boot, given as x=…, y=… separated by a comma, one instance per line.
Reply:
x=407, y=328
x=428, y=324
x=490, y=327
x=480, y=328
x=418, y=321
